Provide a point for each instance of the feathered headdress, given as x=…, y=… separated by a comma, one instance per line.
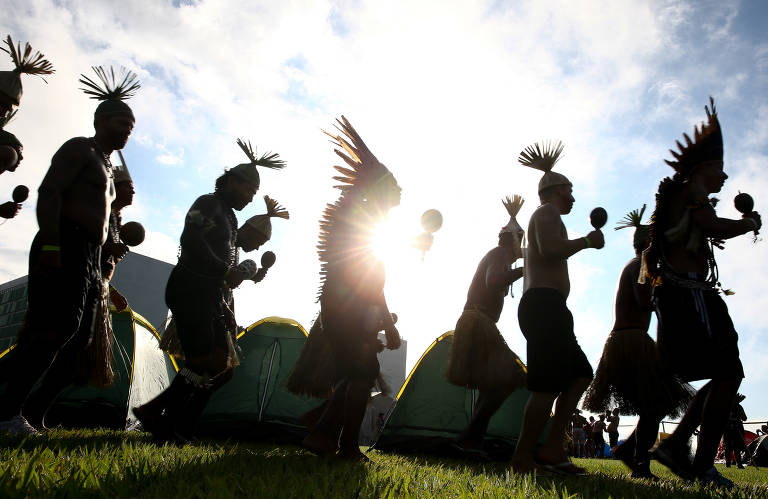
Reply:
x=543, y=157
x=25, y=62
x=112, y=90
x=6, y=137
x=707, y=144
x=248, y=171
x=513, y=208
x=120, y=172
x=262, y=223
x=634, y=219
x=365, y=168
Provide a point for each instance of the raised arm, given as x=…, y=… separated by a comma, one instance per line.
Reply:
x=498, y=275
x=200, y=219
x=711, y=225
x=66, y=165
x=548, y=231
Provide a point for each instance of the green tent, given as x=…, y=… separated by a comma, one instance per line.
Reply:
x=142, y=371
x=430, y=412
x=255, y=402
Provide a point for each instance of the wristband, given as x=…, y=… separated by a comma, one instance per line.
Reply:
x=754, y=223
x=586, y=240
x=51, y=247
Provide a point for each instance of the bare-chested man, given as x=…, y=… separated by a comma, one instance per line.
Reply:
x=480, y=358
x=696, y=334
x=557, y=367
x=64, y=287
x=630, y=373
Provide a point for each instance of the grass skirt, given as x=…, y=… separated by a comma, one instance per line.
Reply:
x=314, y=373
x=480, y=358
x=171, y=344
x=94, y=365
x=632, y=377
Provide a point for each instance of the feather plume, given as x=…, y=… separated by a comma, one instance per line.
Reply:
x=267, y=160
x=110, y=87
x=541, y=157
x=351, y=148
x=274, y=209
x=632, y=219
x=513, y=205
x=4, y=120
x=26, y=62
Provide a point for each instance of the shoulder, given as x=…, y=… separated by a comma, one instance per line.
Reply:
x=76, y=145
x=546, y=212
x=496, y=253
x=206, y=202
x=632, y=267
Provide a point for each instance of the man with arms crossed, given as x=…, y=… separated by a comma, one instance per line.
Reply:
x=557, y=367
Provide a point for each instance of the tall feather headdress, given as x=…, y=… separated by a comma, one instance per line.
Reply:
x=248, y=171
x=707, y=144
x=262, y=222
x=364, y=167
x=543, y=158
x=25, y=63
x=111, y=90
x=6, y=137
x=635, y=219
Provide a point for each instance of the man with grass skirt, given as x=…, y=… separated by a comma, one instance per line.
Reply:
x=10, y=158
x=557, y=367
x=630, y=373
x=65, y=284
x=352, y=305
x=480, y=358
x=199, y=294
x=93, y=365
x=696, y=335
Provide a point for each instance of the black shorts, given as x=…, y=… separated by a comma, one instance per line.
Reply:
x=64, y=302
x=198, y=305
x=555, y=358
x=696, y=336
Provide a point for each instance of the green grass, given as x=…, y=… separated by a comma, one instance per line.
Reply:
x=82, y=463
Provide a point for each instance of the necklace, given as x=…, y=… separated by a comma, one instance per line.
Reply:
x=107, y=161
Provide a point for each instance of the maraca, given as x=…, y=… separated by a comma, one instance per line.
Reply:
x=598, y=217
x=268, y=259
x=431, y=221
x=745, y=204
x=20, y=194
x=132, y=233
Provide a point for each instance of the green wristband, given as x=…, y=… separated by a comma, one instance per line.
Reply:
x=586, y=240
x=51, y=247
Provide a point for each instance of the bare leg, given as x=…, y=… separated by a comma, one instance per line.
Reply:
x=645, y=434
x=324, y=437
x=487, y=404
x=716, y=410
x=552, y=450
x=692, y=418
x=534, y=419
x=358, y=392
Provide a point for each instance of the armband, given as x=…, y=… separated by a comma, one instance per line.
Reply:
x=751, y=220
x=51, y=247
x=586, y=240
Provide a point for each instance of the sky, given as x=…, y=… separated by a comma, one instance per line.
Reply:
x=446, y=94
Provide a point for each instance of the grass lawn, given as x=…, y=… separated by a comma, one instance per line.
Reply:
x=79, y=463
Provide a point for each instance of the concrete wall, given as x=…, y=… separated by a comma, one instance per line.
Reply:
x=142, y=281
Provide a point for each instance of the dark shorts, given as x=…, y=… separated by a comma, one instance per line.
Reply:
x=64, y=302
x=198, y=305
x=555, y=358
x=696, y=336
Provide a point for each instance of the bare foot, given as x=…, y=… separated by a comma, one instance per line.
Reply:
x=522, y=465
x=319, y=444
x=352, y=454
